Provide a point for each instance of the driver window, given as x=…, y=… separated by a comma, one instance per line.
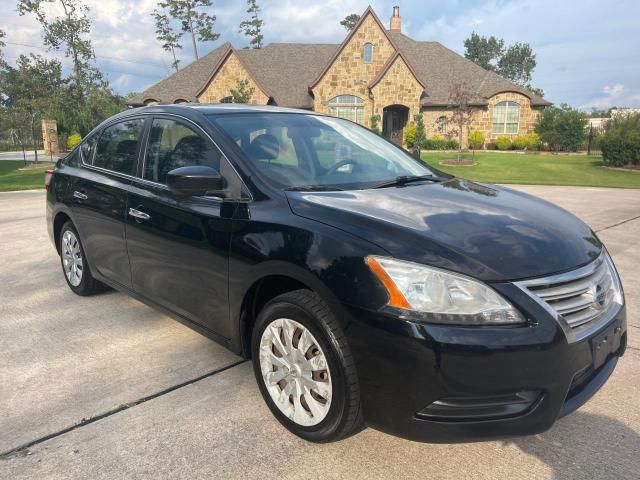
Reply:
x=173, y=145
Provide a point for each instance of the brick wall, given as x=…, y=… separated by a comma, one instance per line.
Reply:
x=349, y=75
x=227, y=78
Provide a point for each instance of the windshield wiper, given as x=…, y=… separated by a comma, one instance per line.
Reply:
x=405, y=179
x=313, y=188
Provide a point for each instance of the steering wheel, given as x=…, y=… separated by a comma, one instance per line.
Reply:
x=342, y=163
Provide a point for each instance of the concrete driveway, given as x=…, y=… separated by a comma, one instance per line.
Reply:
x=105, y=387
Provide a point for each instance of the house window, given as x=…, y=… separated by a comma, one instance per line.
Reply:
x=228, y=99
x=367, y=53
x=506, y=117
x=441, y=124
x=349, y=107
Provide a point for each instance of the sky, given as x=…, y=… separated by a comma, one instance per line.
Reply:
x=588, y=52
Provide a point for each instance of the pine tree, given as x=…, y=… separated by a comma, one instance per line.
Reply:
x=252, y=28
x=198, y=23
x=166, y=34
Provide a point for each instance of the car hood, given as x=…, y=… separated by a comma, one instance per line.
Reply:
x=489, y=232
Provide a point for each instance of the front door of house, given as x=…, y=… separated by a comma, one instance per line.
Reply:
x=394, y=120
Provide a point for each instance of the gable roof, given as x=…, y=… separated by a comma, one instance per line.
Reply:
x=185, y=82
x=286, y=72
x=438, y=68
x=390, y=63
x=345, y=42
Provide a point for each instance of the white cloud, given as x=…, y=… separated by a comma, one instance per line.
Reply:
x=613, y=96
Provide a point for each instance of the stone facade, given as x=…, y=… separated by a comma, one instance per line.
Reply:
x=483, y=118
x=227, y=78
x=349, y=74
x=398, y=86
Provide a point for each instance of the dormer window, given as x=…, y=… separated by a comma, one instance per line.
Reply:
x=367, y=53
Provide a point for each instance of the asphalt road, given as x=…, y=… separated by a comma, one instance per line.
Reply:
x=105, y=387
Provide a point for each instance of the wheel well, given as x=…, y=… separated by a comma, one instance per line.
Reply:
x=58, y=222
x=257, y=297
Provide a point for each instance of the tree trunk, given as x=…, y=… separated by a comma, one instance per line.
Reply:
x=193, y=35
x=175, y=60
x=33, y=139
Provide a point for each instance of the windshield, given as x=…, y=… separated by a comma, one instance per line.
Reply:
x=300, y=150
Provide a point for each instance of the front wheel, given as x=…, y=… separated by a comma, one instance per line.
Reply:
x=304, y=367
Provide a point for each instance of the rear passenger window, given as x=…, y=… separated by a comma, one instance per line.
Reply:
x=118, y=146
x=173, y=145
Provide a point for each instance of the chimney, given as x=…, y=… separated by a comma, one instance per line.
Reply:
x=395, y=25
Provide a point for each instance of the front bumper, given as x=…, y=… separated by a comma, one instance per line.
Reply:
x=440, y=383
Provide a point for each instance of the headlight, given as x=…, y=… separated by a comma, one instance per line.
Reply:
x=442, y=296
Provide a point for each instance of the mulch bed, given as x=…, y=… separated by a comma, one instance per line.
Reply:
x=455, y=162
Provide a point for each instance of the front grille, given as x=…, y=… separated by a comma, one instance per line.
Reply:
x=580, y=296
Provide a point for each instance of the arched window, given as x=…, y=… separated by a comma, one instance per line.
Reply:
x=180, y=100
x=441, y=124
x=349, y=107
x=151, y=101
x=227, y=99
x=367, y=53
x=506, y=117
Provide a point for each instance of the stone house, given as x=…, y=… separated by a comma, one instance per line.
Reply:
x=375, y=72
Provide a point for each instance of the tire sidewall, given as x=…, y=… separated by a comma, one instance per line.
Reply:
x=82, y=287
x=332, y=422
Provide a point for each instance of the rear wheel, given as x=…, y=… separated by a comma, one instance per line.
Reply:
x=304, y=368
x=74, y=264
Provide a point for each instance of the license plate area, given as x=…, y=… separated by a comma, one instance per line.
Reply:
x=605, y=343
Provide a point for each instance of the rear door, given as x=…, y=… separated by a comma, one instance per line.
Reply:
x=178, y=246
x=98, y=196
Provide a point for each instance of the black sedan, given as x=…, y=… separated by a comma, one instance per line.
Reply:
x=366, y=287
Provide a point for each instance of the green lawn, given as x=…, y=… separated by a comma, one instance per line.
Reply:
x=12, y=178
x=536, y=169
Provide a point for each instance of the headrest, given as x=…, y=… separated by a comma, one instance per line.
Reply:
x=264, y=147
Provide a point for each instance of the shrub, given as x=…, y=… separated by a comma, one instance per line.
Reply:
x=520, y=142
x=562, y=128
x=410, y=136
x=451, y=144
x=73, y=140
x=476, y=140
x=491, y=146
x=620, y=143
x=533, y=141
x=503, y=143
x=374, y=123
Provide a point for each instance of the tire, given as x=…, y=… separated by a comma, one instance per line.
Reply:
x=317, y=366
x=75, y=267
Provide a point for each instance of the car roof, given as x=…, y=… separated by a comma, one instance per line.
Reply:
x=193, y=110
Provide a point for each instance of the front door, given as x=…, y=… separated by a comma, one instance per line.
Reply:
x=394, y=120
x=98, y=197
x=179, y=246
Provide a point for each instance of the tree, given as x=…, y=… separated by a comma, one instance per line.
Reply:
x=484, y=51
x=243, y=92
x=30, y=91
x=67, y=32
x=460, y=97
x=562, y=128
x=197, y=23
x=2, y=45
x=515, y=62
x=421, y=134
x=350, y=21
x=167, y=35
x=252, y=28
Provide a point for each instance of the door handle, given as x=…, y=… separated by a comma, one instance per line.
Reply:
x=79, y=195
x=138, y=214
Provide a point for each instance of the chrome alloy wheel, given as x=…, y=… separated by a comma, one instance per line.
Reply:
x=295, y=371
x=72, y=258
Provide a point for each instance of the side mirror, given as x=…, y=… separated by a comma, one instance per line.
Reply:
x=195, y=180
